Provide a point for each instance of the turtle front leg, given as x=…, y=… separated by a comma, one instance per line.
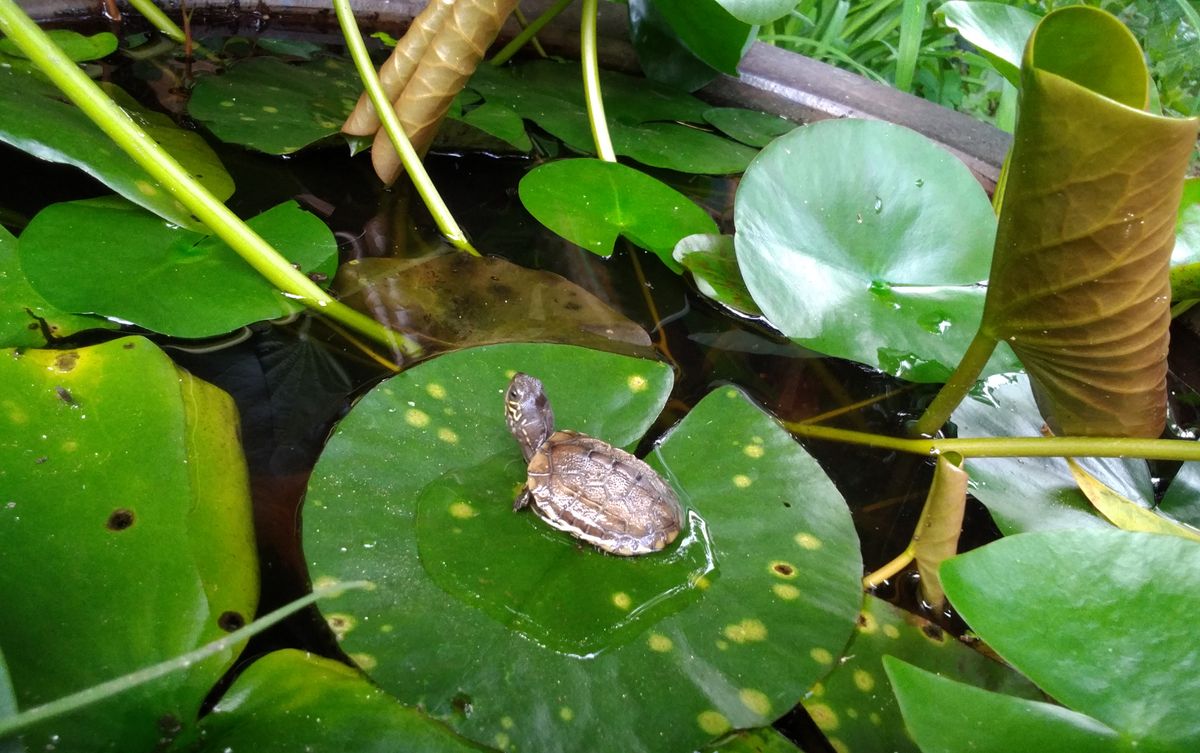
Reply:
x=522, y=499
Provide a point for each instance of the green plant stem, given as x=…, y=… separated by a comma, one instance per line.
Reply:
x=505, y=54
x=161, y=21
x=591, y=82
x=1011, y=447
x=11, y=725
x=899, y=562
x=135, y=142
x=391, y=124
x=957, y=387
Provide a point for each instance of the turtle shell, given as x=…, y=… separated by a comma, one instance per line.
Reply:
x=602, y=494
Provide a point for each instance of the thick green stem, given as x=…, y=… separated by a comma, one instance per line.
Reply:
x=1012, y=447
x=154, y=15
x=959, y=384
x=391, y=124
x=13, y=724
x=135, y=142
x=591, y=82
x=529, y=32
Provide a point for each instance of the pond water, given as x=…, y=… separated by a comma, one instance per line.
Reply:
x=293, y=380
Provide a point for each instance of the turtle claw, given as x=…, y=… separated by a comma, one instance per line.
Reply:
x=522, y=499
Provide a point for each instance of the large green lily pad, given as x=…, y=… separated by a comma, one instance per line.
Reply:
x=1118, y=616
x=125, y=537
x=725, y=629
x=109, y=257
x=864, y=240
x=289, y=701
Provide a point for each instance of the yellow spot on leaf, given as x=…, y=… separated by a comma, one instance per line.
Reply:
x=269, y=109
x=436, y=391
x=742, y=481
x=753, y=450
x=867, y=623
x=365, y=661
x=622, y=600
x=228, y=103
x=506, y=722
x=875, y=718
x=786, y=591
x=864, y=680
x=417, y=418
x=340, y=624
x=463, y=510
x=145, y=188
x=324, y=581
x=447, y=435
x=713, y=722
x=501, y=740
x=748, y=630
x=386, y=628
x=891, y=631
x=70, y=445
x=808, y=541
x=817, y=690
x=731, y=393
x=566, y=714
x=722, y=645
x=838, y=745
x=824, y=716
x=702, y=583
x=637, y=383
x=755, y=700
x=659, y=643
x=821, y=656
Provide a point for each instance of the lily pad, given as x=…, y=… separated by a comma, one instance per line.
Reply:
x=35, y=119
x=761, y=740
x=708, y=30
x=864, y=240
x=460, y=300
x=591, y=203
x=749, y=126
x=713, y=264
x=1182, y=499
x=290, y=700
x=661, y=55
x=1185, y=257
x=783, y=594
x=154, y=544
x=276, y=107
x=852, y=706
x=86, y=257
x=24, y=313
x=1107, y=598
x=1033, y=494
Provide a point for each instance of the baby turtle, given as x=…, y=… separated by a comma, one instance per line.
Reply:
x=588, y=488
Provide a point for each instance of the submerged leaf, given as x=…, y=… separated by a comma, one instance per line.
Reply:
x=78, y=47
x=1125, y=513
x=35, y=118
x=935, y=539
x=456, y=300
x=276, y=107
x=87, y=257
x=125, y=537
x=591, y=203
x=1079, y=285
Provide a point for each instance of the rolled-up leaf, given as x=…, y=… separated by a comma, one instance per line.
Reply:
x=1079, y=282
x=396, y=72
x=451, y=57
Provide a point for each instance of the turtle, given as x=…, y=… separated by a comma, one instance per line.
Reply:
x=584, y=486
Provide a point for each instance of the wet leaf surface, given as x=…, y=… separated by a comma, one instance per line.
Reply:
x=460, y=300
x=276, y=107
x=1119, y=656
x=1079, y=284
x=713, y=264
x=763, y=625
x=863, y=240
x=591, y=203
x=22, y=308
x=35, y=118
x=107, y=567
x=289, y=700
x=1032, y=494
x=1182, y=498
x=1124, y=513
x=852, y=705
x=87, y=257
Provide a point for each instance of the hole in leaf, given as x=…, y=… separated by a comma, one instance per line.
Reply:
x=120, y=519
x=231, y=621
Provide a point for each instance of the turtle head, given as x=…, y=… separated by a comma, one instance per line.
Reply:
x=528, y=412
